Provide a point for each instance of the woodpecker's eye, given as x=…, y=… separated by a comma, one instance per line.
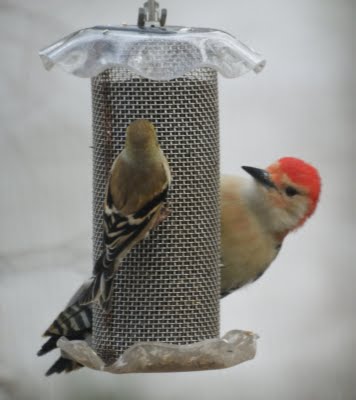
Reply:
x=291, y=191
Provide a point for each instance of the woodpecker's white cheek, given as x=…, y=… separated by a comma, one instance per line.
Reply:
x=277, y=201
x=300, y=209
x=280, y=220
x=288, y=217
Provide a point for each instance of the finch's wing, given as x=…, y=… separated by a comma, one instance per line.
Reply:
x=133, y=201
x=122, y=231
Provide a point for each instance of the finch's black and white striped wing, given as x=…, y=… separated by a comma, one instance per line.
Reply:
x=121, y=234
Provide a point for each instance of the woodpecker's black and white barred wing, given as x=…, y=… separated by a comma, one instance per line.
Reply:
x=71, y=322
x=75, y=323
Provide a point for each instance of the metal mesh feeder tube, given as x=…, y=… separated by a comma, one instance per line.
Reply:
x=165, y=304
x=167, y=288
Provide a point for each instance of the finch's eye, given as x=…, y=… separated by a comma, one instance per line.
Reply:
x=291, y=191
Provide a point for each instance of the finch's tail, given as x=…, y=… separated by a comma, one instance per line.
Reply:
x=100, y=289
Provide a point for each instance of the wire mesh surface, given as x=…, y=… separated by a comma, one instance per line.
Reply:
x=167, y=288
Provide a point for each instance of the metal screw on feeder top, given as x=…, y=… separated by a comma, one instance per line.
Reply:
x=150, y=14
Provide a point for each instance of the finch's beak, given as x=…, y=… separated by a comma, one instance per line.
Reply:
x=261, y=176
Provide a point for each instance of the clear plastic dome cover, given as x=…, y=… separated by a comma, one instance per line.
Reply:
x=151, y=52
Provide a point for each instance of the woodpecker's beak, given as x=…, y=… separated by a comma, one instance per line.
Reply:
x=261, y=176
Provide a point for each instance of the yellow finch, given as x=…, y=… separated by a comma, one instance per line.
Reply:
x=137, y=188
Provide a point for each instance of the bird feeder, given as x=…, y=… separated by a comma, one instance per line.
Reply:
x=165, y=304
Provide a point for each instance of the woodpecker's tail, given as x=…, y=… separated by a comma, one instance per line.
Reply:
x=48, y=346
x=63, y=365
x=74, y=323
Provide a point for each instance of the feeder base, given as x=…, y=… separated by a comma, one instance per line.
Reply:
x=233, y=348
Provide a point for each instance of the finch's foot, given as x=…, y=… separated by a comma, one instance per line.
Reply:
x=164, y=214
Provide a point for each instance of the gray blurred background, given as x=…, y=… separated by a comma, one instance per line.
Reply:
x=301, y=105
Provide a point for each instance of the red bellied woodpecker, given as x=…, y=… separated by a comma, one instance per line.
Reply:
x=258, y=213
